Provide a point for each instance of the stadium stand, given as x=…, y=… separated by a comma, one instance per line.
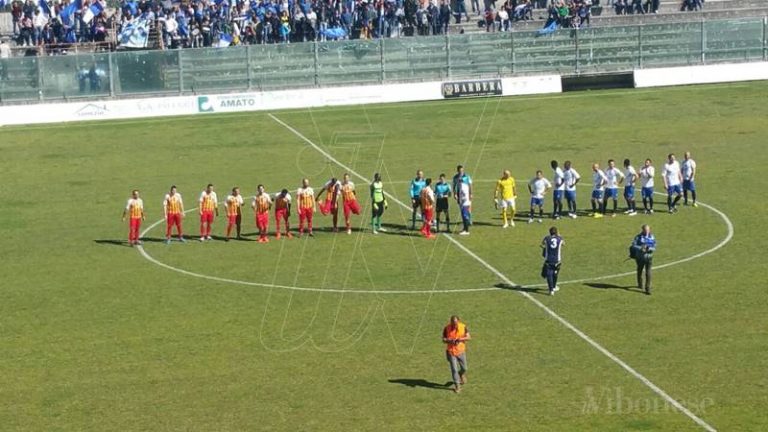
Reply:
x=93, y=27
x=611, y=43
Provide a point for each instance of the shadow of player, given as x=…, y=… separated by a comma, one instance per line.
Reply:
x=600, y=285
x=540, y=291
x=417, y=382
x=113, y=242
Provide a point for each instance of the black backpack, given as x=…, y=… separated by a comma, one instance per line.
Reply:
x=633, y=251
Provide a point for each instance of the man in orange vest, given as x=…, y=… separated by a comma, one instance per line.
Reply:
x=455, y=336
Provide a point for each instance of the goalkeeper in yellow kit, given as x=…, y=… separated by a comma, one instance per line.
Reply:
x=504, y=197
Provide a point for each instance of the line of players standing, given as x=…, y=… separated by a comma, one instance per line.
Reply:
x=339, y=194
x=679, y=181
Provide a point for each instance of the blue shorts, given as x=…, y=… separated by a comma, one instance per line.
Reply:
x=465, y=213
x=676, y=189
x=629, y=192
x=597, y=194
x=537, y=202
x=612, y=193
x=557, y=195
x=647, y=192
x=689, y=185
x=570, y=195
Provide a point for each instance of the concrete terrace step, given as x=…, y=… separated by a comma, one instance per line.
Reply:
x=674, y=5
x=607, y=18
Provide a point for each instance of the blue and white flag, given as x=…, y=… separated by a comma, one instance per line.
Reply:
x=225, y=40
x=550, y=28
x=45, y=10
x=133, y=7
x=135, y=34
x=334, y=33
x=181, y=19
x=71, y=36
x=93, y=11
x=66, y=14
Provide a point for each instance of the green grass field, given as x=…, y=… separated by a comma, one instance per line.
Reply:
x=94, y=336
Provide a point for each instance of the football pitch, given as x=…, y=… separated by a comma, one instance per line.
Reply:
x=343, y=332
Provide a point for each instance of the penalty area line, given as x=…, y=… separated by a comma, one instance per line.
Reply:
x=656, y=389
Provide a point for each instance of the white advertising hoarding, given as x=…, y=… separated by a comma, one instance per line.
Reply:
x=256, y=101
x=706, y=74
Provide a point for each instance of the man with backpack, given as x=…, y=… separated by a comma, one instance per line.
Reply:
x=641, y=250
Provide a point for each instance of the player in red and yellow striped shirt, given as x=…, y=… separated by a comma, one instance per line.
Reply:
x=234, y=204
x=261, y=205
x=349, y=197
x=427, y=197
x=283, y=212
x=135, y=209
x=306, y=199
x=332, y=189
x=209, y=206
x=173, y=208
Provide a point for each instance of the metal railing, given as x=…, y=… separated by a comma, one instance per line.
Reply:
x=359, y=62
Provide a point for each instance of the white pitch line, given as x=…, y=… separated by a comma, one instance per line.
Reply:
x=152, y=259
x=723, y=216
x=656, y=389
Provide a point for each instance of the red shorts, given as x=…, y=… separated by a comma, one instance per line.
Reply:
x=135, y=223
x=328, y=207
x=428, y=214
x=262, y=220
x=173, y=219
x=351, y=206
x=206, y=217
x=232, y=219
x=281, y=214
x=306, y=213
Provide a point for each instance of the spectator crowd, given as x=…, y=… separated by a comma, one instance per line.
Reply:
x=569, y=14
x=202, y=23
x=38, y=23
